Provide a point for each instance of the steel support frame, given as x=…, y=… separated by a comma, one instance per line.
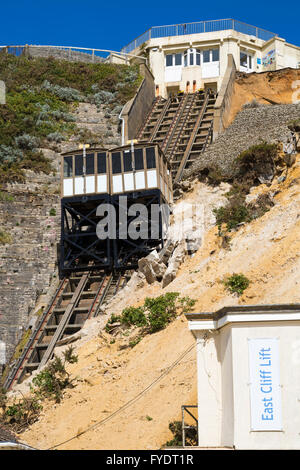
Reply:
x=79, y=244
x=80, y=248
x=126, y=252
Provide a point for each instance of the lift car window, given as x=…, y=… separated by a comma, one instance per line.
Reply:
x=116, y=163
x=101, y=163
x=150, y=157
x=68, y=167
x=90, y=164
x=138, y=159
x=78, y=165
x=127, y=161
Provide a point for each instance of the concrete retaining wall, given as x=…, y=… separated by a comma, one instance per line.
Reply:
x=223, y=102
x=136, y=110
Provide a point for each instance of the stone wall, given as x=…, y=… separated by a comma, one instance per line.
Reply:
x=27, y=263
x=252, y=126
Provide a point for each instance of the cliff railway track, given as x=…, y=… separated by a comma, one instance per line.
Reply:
x=77, y=298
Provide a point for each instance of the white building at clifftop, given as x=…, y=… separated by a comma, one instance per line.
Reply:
x=191, y=56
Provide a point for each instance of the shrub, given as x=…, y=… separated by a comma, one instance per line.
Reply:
x=176, y=429
x=11, y=172
x=155, y=313
x=231, y=215
x=27, y=142
x=55, y=137
x=236, y=283
x=9, y=154
x=54, y=378
x=36, y=161
x=21, y=414
x=102, y=97
x=258, y=162
x=52, y=212
x=65, y=93
x=133, y=316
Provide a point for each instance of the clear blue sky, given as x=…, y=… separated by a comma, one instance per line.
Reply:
x=111, y=24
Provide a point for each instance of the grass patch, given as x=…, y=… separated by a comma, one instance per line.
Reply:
x=5, y=197
x=236, y=283
x=5, y=238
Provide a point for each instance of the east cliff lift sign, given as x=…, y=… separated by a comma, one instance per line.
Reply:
x=265, y=388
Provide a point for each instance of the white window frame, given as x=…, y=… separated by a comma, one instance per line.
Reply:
x=173, y=60
x=193, y=51
x=249, y=56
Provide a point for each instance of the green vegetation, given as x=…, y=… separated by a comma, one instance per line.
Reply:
x=257, y=161
x=231, y=215
x=5, y=238
x=54, y=378
x=20, y=414
x=49, y=383
x=37, y=110
x=253, y=164
x=236, y=283
x=294, y=125
x=5, y=197
x=52, y=212
x=154, y=315
x=22, y=343
x=176, y=429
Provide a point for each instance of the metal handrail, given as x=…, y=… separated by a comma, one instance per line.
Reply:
x=196, y=28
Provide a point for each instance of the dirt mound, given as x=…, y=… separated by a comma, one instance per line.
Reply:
x=266, y=88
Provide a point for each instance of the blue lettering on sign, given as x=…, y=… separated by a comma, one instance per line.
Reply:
x=266, y=382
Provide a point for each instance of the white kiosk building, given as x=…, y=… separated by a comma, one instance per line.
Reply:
x=191, y=56
x=248, y=367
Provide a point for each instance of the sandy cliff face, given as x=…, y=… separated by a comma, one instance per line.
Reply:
x=265, y=250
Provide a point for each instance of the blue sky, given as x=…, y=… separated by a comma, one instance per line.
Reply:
x=112, y=24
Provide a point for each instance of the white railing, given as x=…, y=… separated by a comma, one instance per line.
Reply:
x=196, y=28
x=68, y=52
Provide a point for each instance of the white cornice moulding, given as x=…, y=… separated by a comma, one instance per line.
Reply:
x=195, y=325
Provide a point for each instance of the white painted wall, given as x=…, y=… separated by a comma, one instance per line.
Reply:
x=229, y=42
x=224, y=382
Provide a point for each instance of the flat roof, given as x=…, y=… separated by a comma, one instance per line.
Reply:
x=237, y=309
